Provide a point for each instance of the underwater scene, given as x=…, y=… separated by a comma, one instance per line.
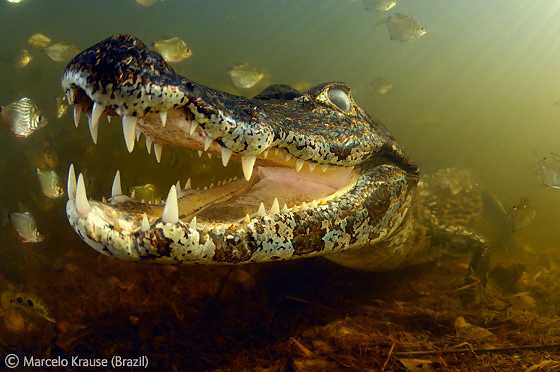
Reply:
x=280, y=185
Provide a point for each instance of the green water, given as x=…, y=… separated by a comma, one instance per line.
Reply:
x=479, y=91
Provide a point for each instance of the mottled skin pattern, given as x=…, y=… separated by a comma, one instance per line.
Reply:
x=374, y=222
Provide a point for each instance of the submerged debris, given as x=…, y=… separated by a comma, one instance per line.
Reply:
x=245, y=76
x=173, y=50
x=22, y=117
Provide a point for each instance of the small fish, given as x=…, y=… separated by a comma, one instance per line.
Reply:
x=30, y=303
x=146, y=3
x=61, y=52
x=39, y=41
x=404, y=28
x=379, y=5
x=50, y=183
x=173, y=50
x=550, y=168
x=379, y=85
x=61, y=106
x=26, y=227
x=523, y=214
x=245, y=76
x=147, y=192
x=23, y=59
x=22, y=117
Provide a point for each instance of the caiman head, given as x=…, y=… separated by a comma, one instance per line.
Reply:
x=319, y=174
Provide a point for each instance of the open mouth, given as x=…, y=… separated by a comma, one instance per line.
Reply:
x=303, y=190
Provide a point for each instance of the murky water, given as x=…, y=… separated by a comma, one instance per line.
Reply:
x=479, y=91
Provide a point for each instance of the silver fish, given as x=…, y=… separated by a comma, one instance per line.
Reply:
x=404, y=28
x=26, y=227
x=550, y=168
x=379, y=85
x=379, y=5
x=50, y=183
x=61, y=52
x=28, y=302
x=245, y=76
x=22, y=117
x=523, y=214
x=61, y=106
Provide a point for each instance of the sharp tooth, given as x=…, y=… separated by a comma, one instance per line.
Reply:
x=285, y=208
x=199, y=153
x=194, y=125
x=192, y=225
x=261, y=211
x=96, y=113
x=275, y=207
x=247, y=219
x=312, y=166
x=314, y=204
x=149, y=145
x=77, y=114
x=171, y=210
x=178, y=185
x=116, y=189
x=157, y=151
x=145, y=224
x=207, y=143
x=226, y=155
x=82, y=204
x=288, y=156
x=71, y=95
x=129, y=130
x=93, y=129
x=71, y=183
x=209, y=155
x=324, y=167
x=299, y=165
x=137, y=135
x=133, y=195
x=247, y=162
x=163, y=117
x=265, y=153
x=304, y=205
x=188, y=184
x=108, y=119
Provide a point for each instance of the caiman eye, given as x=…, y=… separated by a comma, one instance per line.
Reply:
x=340, y=99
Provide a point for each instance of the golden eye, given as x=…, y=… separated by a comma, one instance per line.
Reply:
x=339, y=98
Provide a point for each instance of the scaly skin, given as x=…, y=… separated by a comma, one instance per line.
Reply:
x=373, y=182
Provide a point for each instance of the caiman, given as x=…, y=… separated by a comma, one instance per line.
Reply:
x=321, y=177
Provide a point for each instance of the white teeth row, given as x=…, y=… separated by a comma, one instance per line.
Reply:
x=78, y=192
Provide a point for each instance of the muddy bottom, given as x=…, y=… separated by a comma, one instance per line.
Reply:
x=307, y=315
